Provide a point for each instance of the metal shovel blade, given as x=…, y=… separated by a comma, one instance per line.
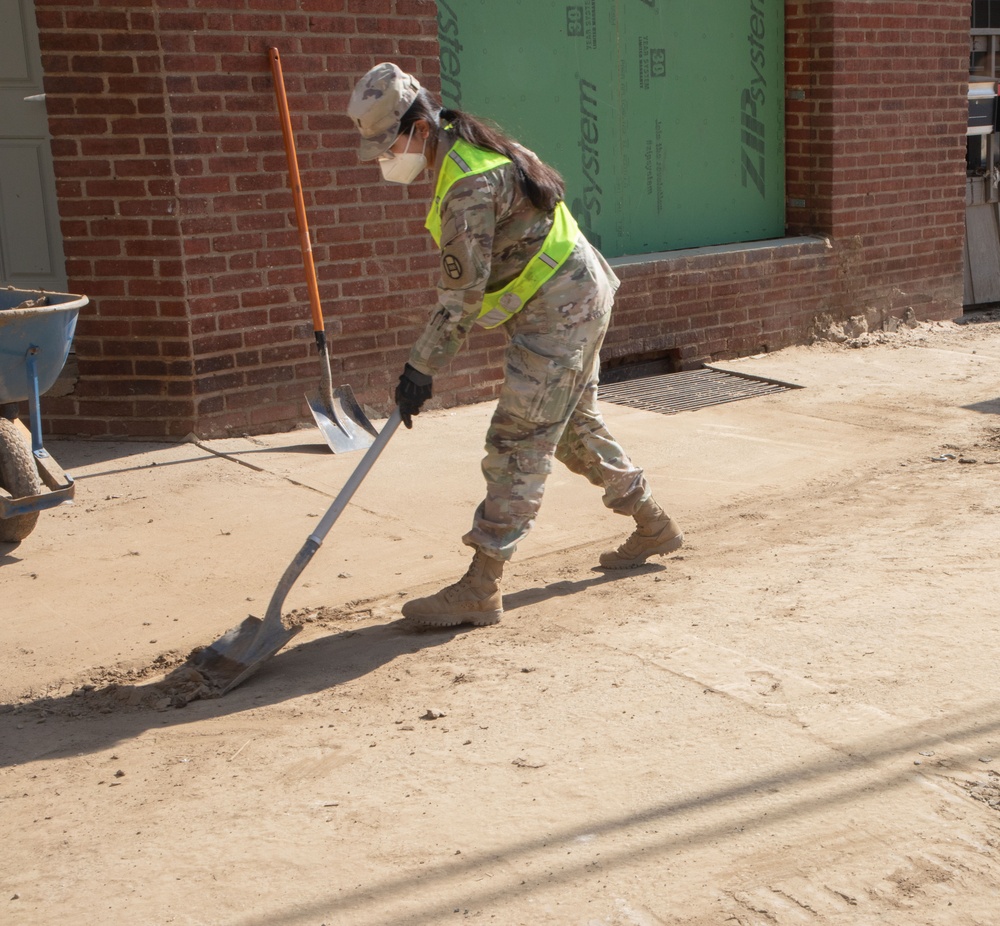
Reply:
x=342, y=421
x=239, y=652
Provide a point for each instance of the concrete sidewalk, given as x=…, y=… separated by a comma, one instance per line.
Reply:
x=168, y=545
x=791, y=721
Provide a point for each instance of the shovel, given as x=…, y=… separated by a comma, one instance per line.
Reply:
x=336, y=411
x=239, y=652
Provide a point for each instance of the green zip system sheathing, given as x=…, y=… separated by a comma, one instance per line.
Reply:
x=666, y=117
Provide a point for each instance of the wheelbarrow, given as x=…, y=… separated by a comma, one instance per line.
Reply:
x=36, y=331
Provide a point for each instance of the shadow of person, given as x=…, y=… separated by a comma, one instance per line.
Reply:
x=986, y=407
x=531, y=596
x=98, y=719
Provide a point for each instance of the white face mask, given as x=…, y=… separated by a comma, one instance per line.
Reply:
x=405, y=167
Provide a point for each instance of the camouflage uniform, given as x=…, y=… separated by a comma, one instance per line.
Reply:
x=548, y=402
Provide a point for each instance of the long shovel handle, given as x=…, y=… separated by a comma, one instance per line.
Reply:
x=272, y=619
x=300, y=206
x=355, y=479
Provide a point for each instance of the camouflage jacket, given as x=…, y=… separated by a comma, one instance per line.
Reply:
x=489, y=232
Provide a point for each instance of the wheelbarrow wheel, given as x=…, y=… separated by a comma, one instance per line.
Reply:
x=19, y=476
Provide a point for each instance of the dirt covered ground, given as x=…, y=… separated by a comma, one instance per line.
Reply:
x=795, y=720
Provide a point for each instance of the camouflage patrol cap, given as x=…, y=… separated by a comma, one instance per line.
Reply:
x=378, y=103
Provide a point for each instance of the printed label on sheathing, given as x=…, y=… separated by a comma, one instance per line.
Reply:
x=451, y=55
x=655, y=167
x=574, y=22
x=581, y=22
x=652, y=63
x=753, y=99
x=623, y=154
x=587, y=208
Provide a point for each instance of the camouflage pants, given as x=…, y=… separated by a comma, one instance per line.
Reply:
x=548, y=409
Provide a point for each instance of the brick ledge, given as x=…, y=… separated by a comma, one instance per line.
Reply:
x=819, y=245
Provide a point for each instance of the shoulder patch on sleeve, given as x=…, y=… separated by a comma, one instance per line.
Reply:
x=452, y=266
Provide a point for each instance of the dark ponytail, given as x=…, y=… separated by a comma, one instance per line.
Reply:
x=543, y=185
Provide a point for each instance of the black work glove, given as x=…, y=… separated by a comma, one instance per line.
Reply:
x=413, y=390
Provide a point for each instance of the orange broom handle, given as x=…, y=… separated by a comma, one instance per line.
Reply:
x=300, y=206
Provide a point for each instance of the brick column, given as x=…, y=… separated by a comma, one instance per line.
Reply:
x=875, y=144
x=117, y=192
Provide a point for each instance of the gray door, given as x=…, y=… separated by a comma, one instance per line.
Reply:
x=31, y=254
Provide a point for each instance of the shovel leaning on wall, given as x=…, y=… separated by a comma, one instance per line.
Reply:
x=336, y=411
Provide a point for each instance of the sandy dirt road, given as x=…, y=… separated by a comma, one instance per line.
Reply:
x=794, y=720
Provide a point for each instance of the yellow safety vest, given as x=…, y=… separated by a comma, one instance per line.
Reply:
x=465, y=160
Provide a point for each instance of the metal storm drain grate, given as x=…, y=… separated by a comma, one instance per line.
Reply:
x=691, y=390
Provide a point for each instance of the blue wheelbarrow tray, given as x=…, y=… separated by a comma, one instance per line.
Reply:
x=34, y=345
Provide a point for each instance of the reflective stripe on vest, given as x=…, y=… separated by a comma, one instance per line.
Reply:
x=465, y=160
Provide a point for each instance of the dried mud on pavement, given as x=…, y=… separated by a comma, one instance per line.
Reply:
x=793, y=720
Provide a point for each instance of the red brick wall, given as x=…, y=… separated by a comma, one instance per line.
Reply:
x=178, y=220
x=876, y=144
x=179, y=225
x=716, y=303
x=117, y=198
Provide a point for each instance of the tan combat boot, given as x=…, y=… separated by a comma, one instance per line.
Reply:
x=473, y=599
x=655, y=535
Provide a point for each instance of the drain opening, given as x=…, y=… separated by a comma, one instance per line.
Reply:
x=689, y=390
x=636, y=366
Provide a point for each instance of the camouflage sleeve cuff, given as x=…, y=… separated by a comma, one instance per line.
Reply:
x=445, y=332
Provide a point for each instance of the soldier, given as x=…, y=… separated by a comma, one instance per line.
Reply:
x=511, y=256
